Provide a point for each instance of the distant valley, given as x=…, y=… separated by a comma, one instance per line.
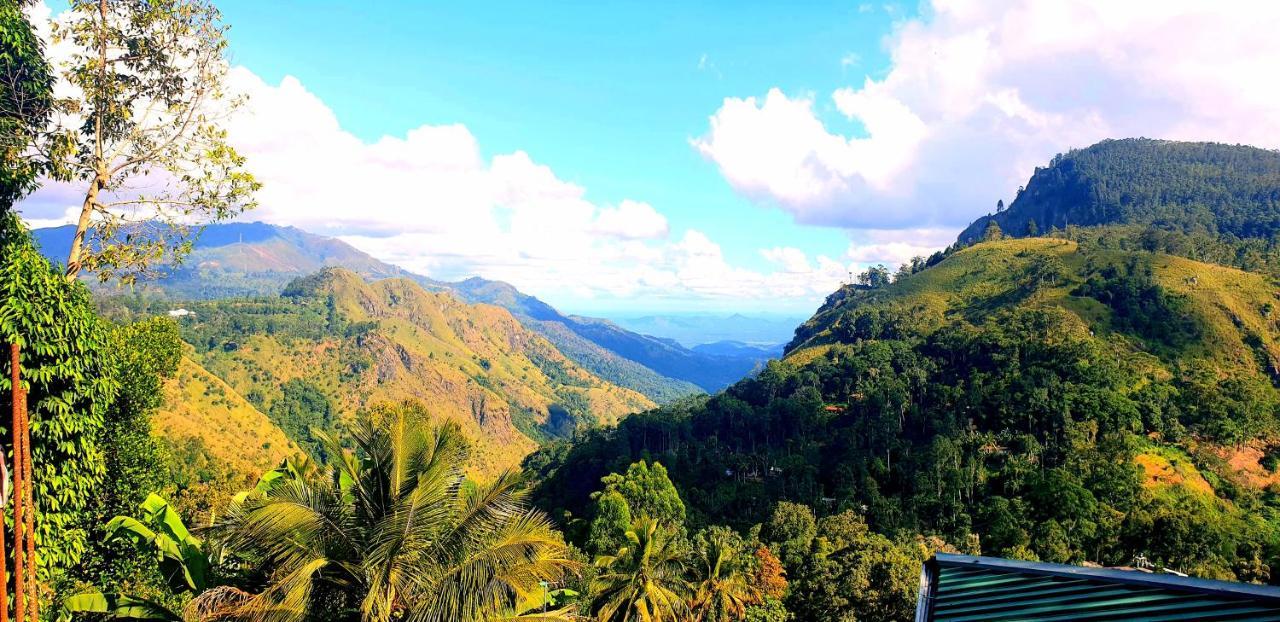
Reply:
x=695, y=329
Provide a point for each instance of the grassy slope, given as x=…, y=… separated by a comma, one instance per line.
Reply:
x=475, y=364
x=198, y=404
x=1236, y=310
x=1229, y=304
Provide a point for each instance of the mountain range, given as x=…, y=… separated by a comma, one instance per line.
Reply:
x=695, y=329
x=241, y=260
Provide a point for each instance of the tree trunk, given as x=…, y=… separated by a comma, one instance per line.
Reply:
x=76, y=255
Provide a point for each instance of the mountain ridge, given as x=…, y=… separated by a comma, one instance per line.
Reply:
x=335, y=338
x=257, y=259
x=1224, y=189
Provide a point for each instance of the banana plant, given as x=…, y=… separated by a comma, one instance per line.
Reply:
x=158, y=532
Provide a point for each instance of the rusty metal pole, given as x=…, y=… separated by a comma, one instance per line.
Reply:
x=19, y=525
x=33, y=598
x=4, y=563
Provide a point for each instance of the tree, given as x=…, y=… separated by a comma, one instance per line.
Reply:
x=1045, y=271
x=790, y=530
x=875, y=276
x=1033, y=229
x=992, y=232
x=644, y=580
x=723, y=585
x=145, y=354
x=149, y=81
x=769, y=575
x=66, y=367
x=648, y=492
x=610, y=525
x=302, y=410
x=852, y=573
x=999, y=206
x=391, y=531
x=26, y=86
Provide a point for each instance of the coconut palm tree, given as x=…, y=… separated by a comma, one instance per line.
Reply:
x=644, y=581
x=723, y=588
x=390, y=531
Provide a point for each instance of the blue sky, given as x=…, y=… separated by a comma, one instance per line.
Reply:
x=625, y=158
x=607, y=94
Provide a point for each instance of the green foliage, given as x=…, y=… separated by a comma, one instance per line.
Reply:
x=847, y=569
x=875, y=276
x=389, y=531
x=302, y=411
x=648, y=492
x=790, y=529
x=25, y=101
x=115, y=606
x=1220, y=189
x=66, y=363
x=992, y=232
x=144, y=355
x=161, y=533
x=644, y=580
x=770, y=610
x=610, y=524
x=1139, y=304
x=125, y=60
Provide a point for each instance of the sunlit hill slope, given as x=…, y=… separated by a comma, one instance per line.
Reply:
x=360, y=344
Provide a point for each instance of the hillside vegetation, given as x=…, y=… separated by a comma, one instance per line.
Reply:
x=1092, y=395
x=208, y=423
x=1230, y=190
x=334, y=344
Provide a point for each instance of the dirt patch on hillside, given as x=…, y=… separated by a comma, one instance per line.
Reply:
x=1160, y=471
x=1246, y=466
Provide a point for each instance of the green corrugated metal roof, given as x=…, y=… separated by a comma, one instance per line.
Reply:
x=965, y=588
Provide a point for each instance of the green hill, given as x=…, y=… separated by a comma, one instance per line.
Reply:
x=1074, y=398
x=334, y=343
x=203, y=415
x=1229, y=190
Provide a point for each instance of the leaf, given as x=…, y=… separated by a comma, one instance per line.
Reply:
x=117, y=606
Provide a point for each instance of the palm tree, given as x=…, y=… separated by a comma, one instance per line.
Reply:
x=723, y=588
x=391, y=531
x=644, y=581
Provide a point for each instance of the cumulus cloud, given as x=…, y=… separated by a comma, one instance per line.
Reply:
x=980, y=92
x=631, y=220
x=894, y=247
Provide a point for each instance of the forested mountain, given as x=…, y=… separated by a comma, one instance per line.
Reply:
x=257, y=259
x=333, y=344
x=1093, y=395
x=1227, y=190
x=1038, y=397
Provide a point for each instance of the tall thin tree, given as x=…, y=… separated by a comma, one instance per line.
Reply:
x=144, y=132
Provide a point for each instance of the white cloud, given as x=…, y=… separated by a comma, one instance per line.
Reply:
x=894, y=247
x=980, y=92
x=792, y=260
x=631, y=220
